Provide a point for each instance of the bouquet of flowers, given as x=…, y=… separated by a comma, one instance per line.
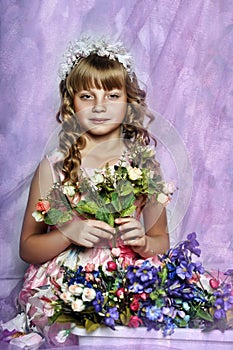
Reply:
x=112, y=192
x=174, y=292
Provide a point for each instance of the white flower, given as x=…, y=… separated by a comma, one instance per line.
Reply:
x=134, y=173
x=69, y=190
x=88, y=294
x=76, y=289
x=87, y=46
x=38, y=216
x=78, y=305
x=66, y=296
x=97, y=178
x=62, y=335
x=169, y=187
x=163, y=199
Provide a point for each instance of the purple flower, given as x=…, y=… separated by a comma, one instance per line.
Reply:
x=185, y=270
x=229, y=272
x=98, y=301
x=131, y=273
x=111, y=316
x=191, y=244
x=198, y=267
x=142, y=278
x=219, y=312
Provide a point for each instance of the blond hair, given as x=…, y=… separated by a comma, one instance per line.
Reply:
x=98, y=72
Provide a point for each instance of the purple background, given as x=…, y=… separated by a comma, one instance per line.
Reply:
x=183, y=53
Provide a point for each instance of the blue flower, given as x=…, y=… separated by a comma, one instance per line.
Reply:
x=185, y=270
x=153, y=313
x=171, y=271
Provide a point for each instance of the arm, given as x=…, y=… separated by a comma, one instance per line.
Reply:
x=151, y=239
x=37, y=245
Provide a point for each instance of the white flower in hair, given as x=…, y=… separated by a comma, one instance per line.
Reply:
x=87, y=46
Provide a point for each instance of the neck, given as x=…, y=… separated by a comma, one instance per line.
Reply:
x=99, y=151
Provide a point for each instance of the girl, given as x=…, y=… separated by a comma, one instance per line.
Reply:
x=101, y=114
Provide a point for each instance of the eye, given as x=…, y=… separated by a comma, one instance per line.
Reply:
x=86, y=96
x=113, y=96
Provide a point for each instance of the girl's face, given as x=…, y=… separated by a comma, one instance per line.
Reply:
x=101, y=112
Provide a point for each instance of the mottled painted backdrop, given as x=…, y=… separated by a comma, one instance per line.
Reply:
x=183, y=52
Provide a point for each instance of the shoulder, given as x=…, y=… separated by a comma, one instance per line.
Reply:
x=54, y=156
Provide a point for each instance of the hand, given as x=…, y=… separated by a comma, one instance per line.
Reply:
x=131, y=231
x=87, y=233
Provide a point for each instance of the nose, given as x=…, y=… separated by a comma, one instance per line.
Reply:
x=99, y=106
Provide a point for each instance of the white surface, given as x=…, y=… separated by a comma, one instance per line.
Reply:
x=141, y=339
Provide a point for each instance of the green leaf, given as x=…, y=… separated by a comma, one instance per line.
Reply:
x=115, y=201
x=127, y=201
x=53, y=217
x=102, y=214
x=204, y=315
x=124, y=187
x=111, y=220
x=125, y=317
x=66, y=217
x=84, y=207
x=91, y=326
x=63, y=318
x=164, y=275
x=128, y=211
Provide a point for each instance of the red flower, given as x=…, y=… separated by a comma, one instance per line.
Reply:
x=43, y=206
x=112, y=266
x=134, y=322
x=120, y=293
x=143, y=296
x=214, y=283
x=134, y=306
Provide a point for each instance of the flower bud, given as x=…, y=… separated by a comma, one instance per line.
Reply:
x=111, y=266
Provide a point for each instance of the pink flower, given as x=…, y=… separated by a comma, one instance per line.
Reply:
x=134, y=322
x=89, y=267
x=43, y=206
x=111, y=266
x=134, y=306
x=89, y=277
x=195, y=278
x=116, y=252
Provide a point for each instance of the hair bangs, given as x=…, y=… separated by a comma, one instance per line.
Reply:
x=97, y=72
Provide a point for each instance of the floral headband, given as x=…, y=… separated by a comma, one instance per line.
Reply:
x=87, y=46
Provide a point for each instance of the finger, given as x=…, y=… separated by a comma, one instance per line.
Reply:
x=101, y=225
x=100, y=233
x=139, y=242
x=131, y=235
x=126, y=219
x=129, y=226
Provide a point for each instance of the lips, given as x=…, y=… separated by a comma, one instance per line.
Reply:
x=99, y=120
